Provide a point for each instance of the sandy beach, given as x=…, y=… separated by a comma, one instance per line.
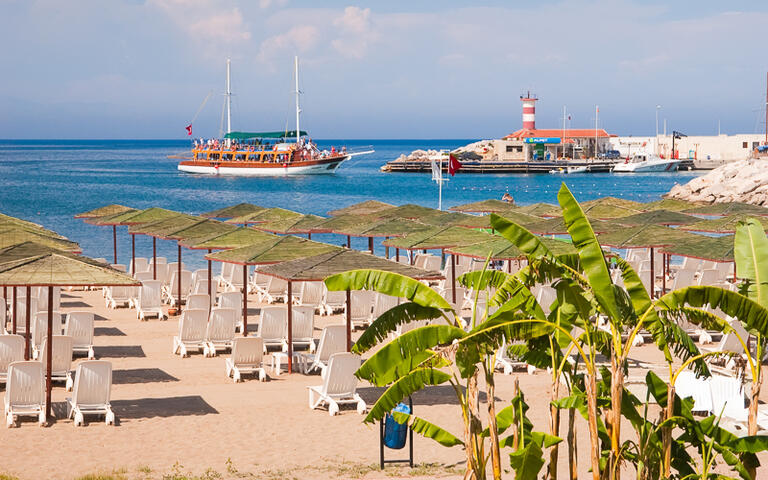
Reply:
x=184, y=416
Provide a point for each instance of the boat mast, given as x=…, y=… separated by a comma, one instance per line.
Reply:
x=228, y=94
x=298, y=110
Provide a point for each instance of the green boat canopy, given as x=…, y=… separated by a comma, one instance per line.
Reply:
x=733, y=208
x=279, y=249
x=104, y=211
x=362, y=208
x=657, y=217
x=671, y=204
x=644, y=236
x=502, y=249
x=61, y=269
x=715, y=249
x=438, y=238
x=240, y=237
x=233, y=211
x=14, y=236
x=320, y=267
x=722, y=224
x=265, y=135
x=484, y=206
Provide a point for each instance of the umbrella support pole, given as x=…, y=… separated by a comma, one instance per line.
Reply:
x=370, y=244
x=349, y=241
x=178, y=275
x=15, y=309
x=114, y=241
x=154, y=258
x=245, y=300
x=133, y=255
x=210, y=298
x=653, y=277
x=386, y=249
x=349, y=321
x=309, y=235
x=664, y=273
x=397, y=255
x=49, y=355
x=453, y=278
x=26, y=330
x=289, y=303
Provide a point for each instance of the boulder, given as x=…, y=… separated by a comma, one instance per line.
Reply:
x=743, y=181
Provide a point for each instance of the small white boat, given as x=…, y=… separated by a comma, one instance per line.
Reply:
x=647, y=163
x=581, y=169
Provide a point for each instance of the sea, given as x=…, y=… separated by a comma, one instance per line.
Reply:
x=49, y=181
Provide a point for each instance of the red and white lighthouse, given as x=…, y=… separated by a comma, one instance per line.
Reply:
x=529, y=111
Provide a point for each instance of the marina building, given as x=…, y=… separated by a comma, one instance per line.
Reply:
x=704, y=150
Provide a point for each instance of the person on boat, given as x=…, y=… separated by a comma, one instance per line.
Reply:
x=333, y=151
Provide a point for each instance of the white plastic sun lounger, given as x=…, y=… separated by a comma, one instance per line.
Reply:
x=382, y=303
x=79, y=326
x=311, y=295
x=24, y=392
x=199, y=300
x=362, y=304
x=303, y=323
x=332, y=301
x=173, y=267
x=339, y=385
x=199, y=274
x=224, y=274
x=91, y=392
x=333, y=340
x=233, y=300
x=273, y=327
x=235, y=280
x=171, y=291
x=61, y=359
x=39, y=327
x=221, y=331
x=11, y=350
x=192, y=326
x=277, y=289
x=142, y=265
x=41, y=294
x=21, y=314
x=258, y=282
x=247, y=357
x=149, y=302
x=118, y=296
x=508, y=364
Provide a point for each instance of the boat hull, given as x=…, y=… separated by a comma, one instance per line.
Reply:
x=258, y=169
x=642, y=167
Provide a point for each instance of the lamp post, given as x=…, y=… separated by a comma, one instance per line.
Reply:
x=658, y=107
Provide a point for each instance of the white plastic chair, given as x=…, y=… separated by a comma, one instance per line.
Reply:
x=333, y=339
x=142, y=265
x=118, y=296
x=303, y=328
x=332, y=301
x=149, y=302
x=235, y=281
x=225, y=274
x=247, y=357
x=362, y=303
x=273, y=327
x=432, y=263
x=221, y=331
x=171, y=291
x=258, y=282
x=24, y=392
x=11, y=350
x=233, y=300
x=173, y=267
x=79, y=326
x=699, y=389
x=382, y=303
x=42, y=298
x=339, y=385
x=199, y=300
x=21, y=313
x=192, y=327
x=91, y=392
x=277, y=289
x=199, y=274
x=61, y=359
x=39, y=327
x=710, y=278
x=311, y=294
x=684, y=278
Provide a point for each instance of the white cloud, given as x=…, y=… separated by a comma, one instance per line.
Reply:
x=357, y=33
x=264, y=4
x=355, y=20
x=298, y=39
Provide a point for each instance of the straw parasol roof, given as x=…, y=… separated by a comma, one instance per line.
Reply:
x=201, y=231
x=502, y=249
x=344, y=222
x=104, y=211
x=671, y=204
x=385, y=228
x=23, y=250
x=133, y=217
x=233, y=211
x=410, y=210
x=450, y=218
x=13, y=236
x=320, y=267
x=300, y=224
x=722, y=209
x=484, y=221
x=484, y=206
x=722, y=224
x=56, y=268
x=644, y=236
x=537, y=210
x=716, y=249
x=614, y=202
x=363, y=208
x=610, y=207
x=163, y=228
x=657, y=217
x=266, y=215
x=438, y=238
x=556, y=226
x=279, y=249
x=7, y=222
x=239, y=237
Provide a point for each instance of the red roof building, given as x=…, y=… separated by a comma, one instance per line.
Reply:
x=558, y=132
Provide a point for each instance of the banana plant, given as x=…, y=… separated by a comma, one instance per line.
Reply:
x=440, y=353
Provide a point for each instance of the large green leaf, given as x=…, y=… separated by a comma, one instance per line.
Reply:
x=524, y=240
x=750, y=249
x=753, y=315
x=408, y=346
x=514, y=295
x=404, y=386
x=482, y=279
x=388, y=283
x=590, y=252
x=527, y=461
x=428, y=430
x=388, y=322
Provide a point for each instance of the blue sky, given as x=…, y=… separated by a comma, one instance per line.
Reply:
x=428, y=69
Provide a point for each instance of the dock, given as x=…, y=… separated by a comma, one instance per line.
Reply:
x=593, y=166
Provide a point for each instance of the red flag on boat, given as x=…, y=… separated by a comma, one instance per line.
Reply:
x=189, y=129
x=453, y=164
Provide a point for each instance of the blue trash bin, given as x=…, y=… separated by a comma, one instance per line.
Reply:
x=395, y=434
